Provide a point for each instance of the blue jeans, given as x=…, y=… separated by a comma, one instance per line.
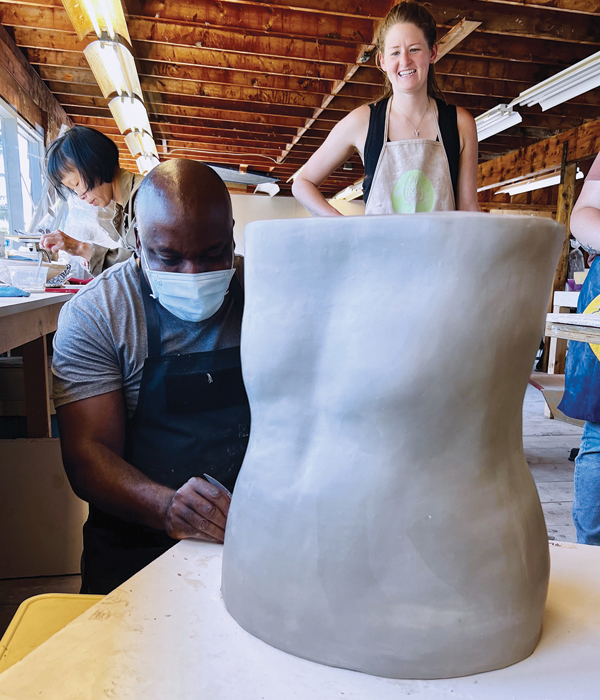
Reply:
x=586, y=500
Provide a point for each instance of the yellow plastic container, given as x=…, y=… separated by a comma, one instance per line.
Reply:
x=37, y=619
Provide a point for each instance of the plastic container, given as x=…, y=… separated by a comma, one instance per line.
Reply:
x=37, y=619
x=28, y=277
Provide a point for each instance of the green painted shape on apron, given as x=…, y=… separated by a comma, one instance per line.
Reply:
x=413, y=192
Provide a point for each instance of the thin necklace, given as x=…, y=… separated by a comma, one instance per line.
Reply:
x=414, y=128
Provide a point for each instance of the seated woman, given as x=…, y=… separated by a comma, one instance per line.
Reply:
x=85, y=162
x=420, y=154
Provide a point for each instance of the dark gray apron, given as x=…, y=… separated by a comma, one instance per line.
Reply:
x=192, y=417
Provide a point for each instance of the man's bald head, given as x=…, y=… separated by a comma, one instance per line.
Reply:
x=184, y=218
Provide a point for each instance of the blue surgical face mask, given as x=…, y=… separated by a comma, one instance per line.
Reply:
x=190, y=297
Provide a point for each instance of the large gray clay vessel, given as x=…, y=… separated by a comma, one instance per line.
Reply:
x=384, y=519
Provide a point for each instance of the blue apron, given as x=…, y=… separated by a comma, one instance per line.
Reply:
x=581, y=399
x=192, y=417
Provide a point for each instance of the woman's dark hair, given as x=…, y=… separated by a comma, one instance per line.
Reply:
x=413, y=13
x=91, y=153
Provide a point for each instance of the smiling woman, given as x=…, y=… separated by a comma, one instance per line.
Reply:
x=420, y=153
x=85, y=163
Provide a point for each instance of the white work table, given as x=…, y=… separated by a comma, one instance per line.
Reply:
x=25, y=321
x=165, y=634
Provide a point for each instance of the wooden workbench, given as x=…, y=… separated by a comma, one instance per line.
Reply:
x=165, y=633
x=25, y=322
x=582, y=327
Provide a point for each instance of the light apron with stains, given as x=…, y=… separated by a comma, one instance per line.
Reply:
x=412, y=176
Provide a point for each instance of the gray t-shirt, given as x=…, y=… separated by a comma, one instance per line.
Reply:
x=101, y=342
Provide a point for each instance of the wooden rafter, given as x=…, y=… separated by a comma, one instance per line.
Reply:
x=543, y=156
x=457, y=34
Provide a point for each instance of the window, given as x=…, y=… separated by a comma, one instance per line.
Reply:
x=4, y=227
x=21, y=166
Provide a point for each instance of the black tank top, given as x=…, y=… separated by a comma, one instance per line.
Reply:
x=374, y=143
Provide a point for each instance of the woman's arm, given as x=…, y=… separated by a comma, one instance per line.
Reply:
x=467, y=168
x=585, y=219
x=346, y=137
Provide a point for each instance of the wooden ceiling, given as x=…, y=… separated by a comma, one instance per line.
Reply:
x=258, y=85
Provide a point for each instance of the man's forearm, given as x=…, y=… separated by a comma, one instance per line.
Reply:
x=107, y=481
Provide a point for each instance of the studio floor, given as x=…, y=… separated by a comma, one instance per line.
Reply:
x=547, y=444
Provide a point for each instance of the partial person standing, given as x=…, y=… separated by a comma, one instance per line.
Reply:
x=581, y=399
x=85, y=162
x=147, y=380
x=419, y=153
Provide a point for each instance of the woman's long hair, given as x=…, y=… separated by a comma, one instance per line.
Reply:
x=414, y=13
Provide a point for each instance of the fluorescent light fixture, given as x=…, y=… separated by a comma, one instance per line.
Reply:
x=270, y=188
x=146, y=163
x=496, y=120
x=233, y=175
x=349, y=193
x=114, y=68
x=564, y=86
x=535, y=183
x=98, y=16
x=140, y=143
x=130, y=114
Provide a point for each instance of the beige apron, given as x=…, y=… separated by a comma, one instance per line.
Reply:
x=411, y=176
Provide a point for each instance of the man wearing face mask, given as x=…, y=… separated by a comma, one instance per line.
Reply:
x=147, y=380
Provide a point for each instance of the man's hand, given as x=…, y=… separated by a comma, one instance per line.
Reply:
x=58, y=240
x=198, y=510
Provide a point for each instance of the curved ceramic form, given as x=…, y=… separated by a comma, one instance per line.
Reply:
x=384, y=519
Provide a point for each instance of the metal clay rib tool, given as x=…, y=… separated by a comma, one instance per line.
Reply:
x=218, y=484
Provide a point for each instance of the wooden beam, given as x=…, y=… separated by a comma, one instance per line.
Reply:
x=337, y=87
x=193, y=116
x=227, y=109
x=241, y=41
x=276, y=21
x=313, y=47
x=341, y=8
x=22, y=88
x=188, y=92
x=141, y=29
x=168, y=126
x=583, y=142
x=457, y=34
x=195, y=75
x=529, y=22
x=61, y=50
x=519, y=51
x=230, y=148
x=586, y=7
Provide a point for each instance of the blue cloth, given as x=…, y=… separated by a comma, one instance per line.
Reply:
x=8, y=291
x=586, y=499
x=581, y=399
